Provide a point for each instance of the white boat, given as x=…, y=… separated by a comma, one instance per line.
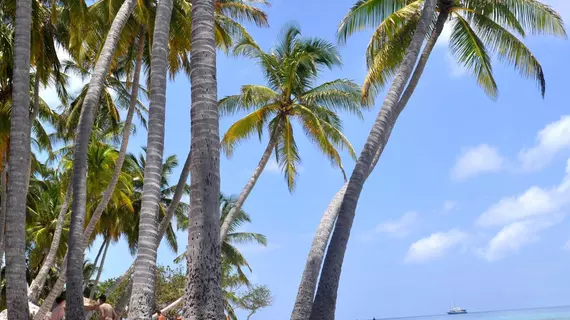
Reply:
x=457, y=310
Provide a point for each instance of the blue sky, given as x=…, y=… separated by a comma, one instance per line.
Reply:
x=468, y=202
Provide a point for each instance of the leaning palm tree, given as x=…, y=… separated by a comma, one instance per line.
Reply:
x=76, y=237
x=479, y=28
x=18, y=167
x=291, y=70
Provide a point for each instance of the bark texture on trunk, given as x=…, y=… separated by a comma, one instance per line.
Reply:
x=3, y=203
x=39, y=281
x=100, y=270
x=306, y=293
x=325, y=301
x=124, y=140
x=203, y=296
x=248, y=187
x=18, y=160
x=178, y=193
x=74, y=288
x=144, y=277
x=124, y=300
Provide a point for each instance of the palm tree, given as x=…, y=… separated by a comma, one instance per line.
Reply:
x=226, y=27
x=144, y=277
x=173, y=206
x=76, y=246
x=290, y=70
x=479, y=26
x=18, y=167
x=204, y=289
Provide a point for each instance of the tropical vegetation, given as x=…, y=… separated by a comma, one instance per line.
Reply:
x=69, y=183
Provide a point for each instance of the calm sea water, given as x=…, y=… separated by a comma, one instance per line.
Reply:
x=554, y=313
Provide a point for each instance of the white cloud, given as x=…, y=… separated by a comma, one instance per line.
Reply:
x=401, y=227
x=534, y=202
x=449, y=205
x=513, y=237
x=552, y=139
x=272, y=166
x=435, y=246
x=477, y=160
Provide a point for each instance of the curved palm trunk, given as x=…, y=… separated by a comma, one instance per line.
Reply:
x=178, y=193
x=247, y=189
x=306, y=293
x=3, y=202
x=325, y=300
x=39, y=281
x=18, y=160
x=54, y=293
x=100, y=270
x=142, y=299
x=203, y=299
x=76, y=247
x=124, y=140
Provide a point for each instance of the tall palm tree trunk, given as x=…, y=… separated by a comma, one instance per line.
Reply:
x=124, y=140
x=142, y=299
x=178, y=193
x=3, y=202
x=100, y=270
x=18, y=159
x=306, y=293
x=203, y=299
x=38, y=283
x=74, y=288
x=325, y=301
x=248, y=187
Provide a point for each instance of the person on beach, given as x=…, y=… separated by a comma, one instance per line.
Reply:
x=160, y=315
x=105, y=310
x=58, y=313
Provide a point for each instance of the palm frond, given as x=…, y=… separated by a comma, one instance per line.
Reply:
x=510, y=49
x=470, y=51
x=288, y=154
x=338, y=95
x=366, y=14
x=314, y=130
x=250, y=98
x=389, y=27
x=245, y=127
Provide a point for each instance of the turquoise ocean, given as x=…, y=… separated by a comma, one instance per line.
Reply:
x=551, y=313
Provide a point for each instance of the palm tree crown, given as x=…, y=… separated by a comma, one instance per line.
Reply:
x=479, y=28
x=291, y=70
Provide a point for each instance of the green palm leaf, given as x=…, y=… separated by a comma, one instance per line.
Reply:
x=470, y=51
x=367, y=14
x=510, y=49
